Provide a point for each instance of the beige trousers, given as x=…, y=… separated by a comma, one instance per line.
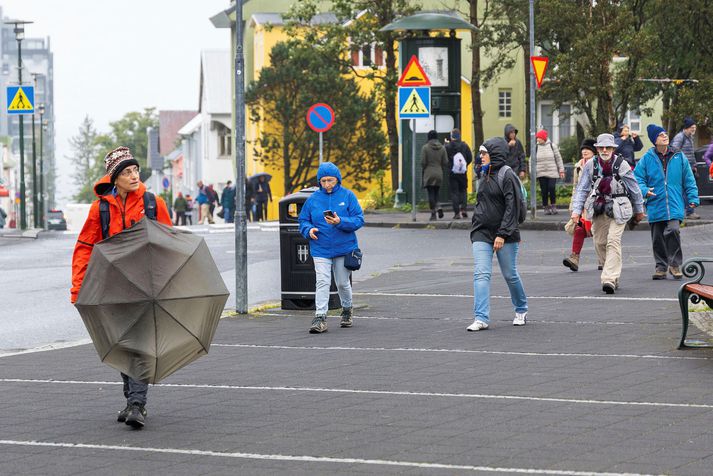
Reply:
x=607, y=243
x=205, y=214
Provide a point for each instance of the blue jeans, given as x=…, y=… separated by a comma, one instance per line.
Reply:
x=324, y=268
x=228, y=214
x=134, y=390
x=507, y=259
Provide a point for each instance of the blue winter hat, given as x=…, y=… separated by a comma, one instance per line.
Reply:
x=688, y=121
x=654, y=131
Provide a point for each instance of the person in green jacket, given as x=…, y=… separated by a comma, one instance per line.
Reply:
x=434, y=159
x=180, y=206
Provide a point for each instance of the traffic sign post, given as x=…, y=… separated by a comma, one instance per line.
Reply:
x=414, y=103
x=320, y=118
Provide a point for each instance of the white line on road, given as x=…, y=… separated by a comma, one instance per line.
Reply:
x=310, y=459
x=402, y=393
x=464, y=351
x=470, y=296
x=45, y=348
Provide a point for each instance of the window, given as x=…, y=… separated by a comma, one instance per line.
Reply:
x=565, y=124
x=505, y=103
x=633, y=118
x=225, y=142
x=367, y=56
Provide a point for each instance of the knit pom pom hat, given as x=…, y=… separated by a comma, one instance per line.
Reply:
x=117, y=160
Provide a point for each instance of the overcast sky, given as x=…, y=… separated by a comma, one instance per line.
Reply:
x=113, y=57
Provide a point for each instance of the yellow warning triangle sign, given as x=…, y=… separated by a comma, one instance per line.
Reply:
x=413, y=74
x=414, y=104
x=20, y=102
x=539, y=66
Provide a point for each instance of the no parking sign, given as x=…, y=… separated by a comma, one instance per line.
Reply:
x=320, y=118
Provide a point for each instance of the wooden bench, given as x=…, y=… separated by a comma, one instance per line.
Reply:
x=695, y=291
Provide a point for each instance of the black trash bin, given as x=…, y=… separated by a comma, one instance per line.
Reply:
x=296, y=264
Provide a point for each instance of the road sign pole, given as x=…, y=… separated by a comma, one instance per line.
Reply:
x=413, y=169
x=533, y=143
x=321, y=158
x=23, y=214
x=35, y=207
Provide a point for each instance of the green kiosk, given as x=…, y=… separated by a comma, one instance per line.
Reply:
x=440, y=57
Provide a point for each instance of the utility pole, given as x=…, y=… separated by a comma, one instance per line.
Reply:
x=241, y=230
x=35, y=201
x=43, y=217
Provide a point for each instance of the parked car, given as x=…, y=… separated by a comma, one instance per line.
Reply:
x=56, y=220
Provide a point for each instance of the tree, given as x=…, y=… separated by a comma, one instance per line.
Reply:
x=298, y=77
x=359, y=22
x=84, y=158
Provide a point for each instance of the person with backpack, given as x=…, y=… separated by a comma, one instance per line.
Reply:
x=500, y=208
x=122, y=201
x=668, y=186
x=610, y=194
x=459, y=158
x=549, y=168
x=433, y=160
x=582, y=229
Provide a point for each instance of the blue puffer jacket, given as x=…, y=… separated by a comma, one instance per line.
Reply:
x=332, y=240
x=674, y=189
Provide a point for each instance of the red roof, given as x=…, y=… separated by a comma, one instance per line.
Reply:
x=169, y=123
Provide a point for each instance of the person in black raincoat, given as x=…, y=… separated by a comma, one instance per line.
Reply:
x=495, y=229
x=515, y=157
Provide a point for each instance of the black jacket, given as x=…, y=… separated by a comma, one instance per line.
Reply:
x=455, y=146
x=515, y=156
x=496, y=211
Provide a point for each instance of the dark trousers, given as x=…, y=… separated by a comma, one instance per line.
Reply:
x=547, y=190
x=180, y=217
x=261, y=211
x=134, y=390
x=666, y=241
x=459, y=191
x=432, y=196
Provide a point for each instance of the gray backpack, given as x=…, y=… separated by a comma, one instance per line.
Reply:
x=520, y=192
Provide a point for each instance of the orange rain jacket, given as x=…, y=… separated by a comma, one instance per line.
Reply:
x=123, y=216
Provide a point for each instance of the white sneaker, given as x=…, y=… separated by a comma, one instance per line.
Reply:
x=477, y=326
x=520, y=319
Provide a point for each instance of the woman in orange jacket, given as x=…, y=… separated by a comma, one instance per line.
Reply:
x=123, y=190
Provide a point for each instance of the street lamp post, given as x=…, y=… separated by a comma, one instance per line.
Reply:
x=19, y=31
x=241, y=235
x=41, y=109
x=35, y=202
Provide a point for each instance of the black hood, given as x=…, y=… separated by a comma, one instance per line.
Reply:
x=498, y=151
x=508, y=129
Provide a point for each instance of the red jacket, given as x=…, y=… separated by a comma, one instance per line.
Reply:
x=123, y=216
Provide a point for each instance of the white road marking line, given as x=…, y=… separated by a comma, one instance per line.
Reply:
x=470, y=296
x=401, y=393
x=463, y=351
x=309, y=459
x=469, y=319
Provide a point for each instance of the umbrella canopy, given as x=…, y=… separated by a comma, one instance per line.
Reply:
x=256, y=177
x=151, y=300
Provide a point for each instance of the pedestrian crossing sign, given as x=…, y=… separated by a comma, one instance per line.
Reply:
x=414, y=103
x=20, y=100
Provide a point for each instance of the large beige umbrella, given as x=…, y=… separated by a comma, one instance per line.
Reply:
x=151, y=300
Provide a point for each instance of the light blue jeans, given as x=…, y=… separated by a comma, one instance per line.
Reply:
x=507, y=259
x=324, y=268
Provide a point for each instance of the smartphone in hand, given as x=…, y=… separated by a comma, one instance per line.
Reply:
x=328, y=213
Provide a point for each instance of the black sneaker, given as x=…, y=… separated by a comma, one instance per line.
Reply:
x=137, y=416
x=440, y=213
x=319, y=325
x=346, y=317
x=121, y=417
x=608, y=288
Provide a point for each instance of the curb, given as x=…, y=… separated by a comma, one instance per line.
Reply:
x=31, y=234
x=527, y=225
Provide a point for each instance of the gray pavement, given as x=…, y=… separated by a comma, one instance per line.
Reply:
x=592, y=385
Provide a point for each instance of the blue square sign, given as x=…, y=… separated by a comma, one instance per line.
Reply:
x=414, y=102
x=20, y=99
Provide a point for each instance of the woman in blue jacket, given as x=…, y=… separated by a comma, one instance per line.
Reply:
x=329, y=219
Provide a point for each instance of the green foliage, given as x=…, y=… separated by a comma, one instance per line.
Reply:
x=84, y=158
x=383, y=196
x=298, y=77
x=569, y=148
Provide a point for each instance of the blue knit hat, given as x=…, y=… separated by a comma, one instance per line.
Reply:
x=688, y=121
x=654, y=131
